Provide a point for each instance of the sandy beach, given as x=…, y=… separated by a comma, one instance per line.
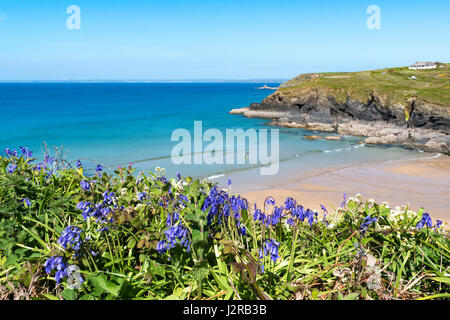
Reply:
x=420, y=182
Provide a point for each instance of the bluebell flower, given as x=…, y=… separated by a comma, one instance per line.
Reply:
x=310, y=216
x=79, y=165
x=183, y=199
x=425, y=221
x=56, y=263
x=257, y=214
x=12, y=168
x=172, y=218
x=290, y=203
x=27, y=202
x=345, y=200
x=25, y=152
x=85, y=185
x=108, y=197
x=270, y=201
x=366, y=223
x=298, y=213
x=11, y=153
x=275, y=218
x=175, y=234
x=229, y=182
x=242, y=230
x=86, y=208
x=438, y=223
x=270, y=248
x=99, y=168
x=142, y=196
x=162, y=179
x=178, y=176
x=162, y=246
x=71, y=236
x=324, y=209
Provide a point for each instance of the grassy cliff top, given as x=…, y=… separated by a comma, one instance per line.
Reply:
x=392, y=84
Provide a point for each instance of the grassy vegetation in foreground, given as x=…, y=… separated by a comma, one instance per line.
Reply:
x=64, y=235
x=394, y=85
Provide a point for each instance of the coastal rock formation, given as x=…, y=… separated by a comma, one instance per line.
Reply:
x=415, y=123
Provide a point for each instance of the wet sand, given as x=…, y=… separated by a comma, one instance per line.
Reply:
x=421, y=182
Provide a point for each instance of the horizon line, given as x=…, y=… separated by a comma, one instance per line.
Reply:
x=148, y=81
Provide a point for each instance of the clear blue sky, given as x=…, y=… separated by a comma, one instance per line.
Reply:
x=209, y=39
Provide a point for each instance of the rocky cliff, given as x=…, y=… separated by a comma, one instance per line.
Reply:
x=405, y=117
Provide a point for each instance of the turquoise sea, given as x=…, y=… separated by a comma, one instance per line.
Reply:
x=114, y=124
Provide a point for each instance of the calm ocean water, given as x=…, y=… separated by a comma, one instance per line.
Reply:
x=117, y=123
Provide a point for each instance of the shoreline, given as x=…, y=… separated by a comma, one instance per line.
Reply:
x=374, y=132
x=419, y=181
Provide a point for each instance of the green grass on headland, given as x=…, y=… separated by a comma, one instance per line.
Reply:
x=394, y=85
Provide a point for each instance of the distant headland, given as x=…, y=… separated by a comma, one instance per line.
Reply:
x=398, y=106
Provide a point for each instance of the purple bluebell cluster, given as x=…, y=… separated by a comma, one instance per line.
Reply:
x=11, y=153
x=270, y=201
x=56, y=263
x=275, y=218
x=142, y=196
x=12, y=168
x=45, y=165
x=175, y=234
x=172, y=218
x=270, y=248
x=100, y=211
x=62, y=268
x=425, y=221
x=71, y=236
x=26, y=152
x=26, y=202
x=85, y=185
x=366, y=223
x=162, y=179
x=242, y=230
x=298, y=212
x=258, y=215
x=219, y=205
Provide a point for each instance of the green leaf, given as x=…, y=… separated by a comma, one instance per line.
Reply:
x=352, y=296
x=436, y=296
x=102, y=285
x=201, y=270
x=442, y=279
x=197, y=235
x=50, y=296
x=69, y=294
x=131, y=243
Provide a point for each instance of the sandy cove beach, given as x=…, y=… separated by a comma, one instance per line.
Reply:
x=421, y=182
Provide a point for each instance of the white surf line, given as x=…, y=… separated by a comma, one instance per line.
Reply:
x=437, y=155
x=215, y=176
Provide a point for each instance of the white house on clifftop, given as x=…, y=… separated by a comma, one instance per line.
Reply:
x=423, y=65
